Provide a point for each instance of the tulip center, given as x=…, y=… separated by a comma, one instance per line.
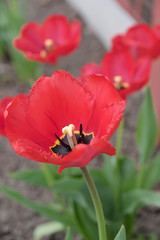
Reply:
x=70, y=138
x=119, y=85
x=49, y=46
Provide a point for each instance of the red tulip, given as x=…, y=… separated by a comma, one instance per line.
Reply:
x=64, y=122
x=140, y=40
x=54, y=38
x=126, y=75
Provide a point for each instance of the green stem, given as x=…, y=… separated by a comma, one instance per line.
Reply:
x=97, y=204
x=120, y=138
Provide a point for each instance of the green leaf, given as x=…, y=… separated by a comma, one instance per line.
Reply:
x=68, y=185
x=47, y=229
x=109, y=170
x=32, y=176
x=127, y=171
x=146, y=132
x=121, y=234
x=137, y=198
x=68, y=235
x=45, y=210
x=151, y=173
x=86, y=225
x=71, y=188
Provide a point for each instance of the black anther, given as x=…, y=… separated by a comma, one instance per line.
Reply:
x=62, y=143
x=81, y=135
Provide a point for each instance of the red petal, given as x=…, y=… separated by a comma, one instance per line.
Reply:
x=71, y=43
x=88, y=69
x=140, y=40
x=30, y=150
x=56, y=27
x=57, y=102
x=140, y=78
x=83, y=154
x=3, y=105
x=142, y=34
x=109, y=106
x=17, y=126
x=118, y=63
x=31, y=39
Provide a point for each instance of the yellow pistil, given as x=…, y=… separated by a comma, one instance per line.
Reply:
x=43, y=54
x=49, y=44
x=69, y=131
x=117, y=79
x=119, y=84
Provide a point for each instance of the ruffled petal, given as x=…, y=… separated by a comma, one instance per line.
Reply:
x=18, y=127
x=109, y=106
x=83, y=154
x=57, y=102
x=30, y=150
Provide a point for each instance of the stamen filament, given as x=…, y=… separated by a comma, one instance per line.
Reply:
x=69, y=131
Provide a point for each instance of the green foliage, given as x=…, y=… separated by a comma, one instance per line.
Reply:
x=12, y=17
x=151, y=173
x=147, y=130
x=137, y=198
x=117, y=187
x=46, y=210
x=31, y=176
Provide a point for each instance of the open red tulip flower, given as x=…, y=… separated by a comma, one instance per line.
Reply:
x=55, y=37
x=64, y=122
x=3, y=106
x=126, y=74
x=140, y=40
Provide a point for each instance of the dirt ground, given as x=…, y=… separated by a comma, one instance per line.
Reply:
x=17, y=222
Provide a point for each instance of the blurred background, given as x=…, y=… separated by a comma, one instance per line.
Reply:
x=101, y=20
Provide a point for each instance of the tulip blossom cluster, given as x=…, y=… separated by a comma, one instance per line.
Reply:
x=68, y=121
x=65, y=121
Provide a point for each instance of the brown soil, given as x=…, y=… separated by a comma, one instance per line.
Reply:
x=17, y=222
